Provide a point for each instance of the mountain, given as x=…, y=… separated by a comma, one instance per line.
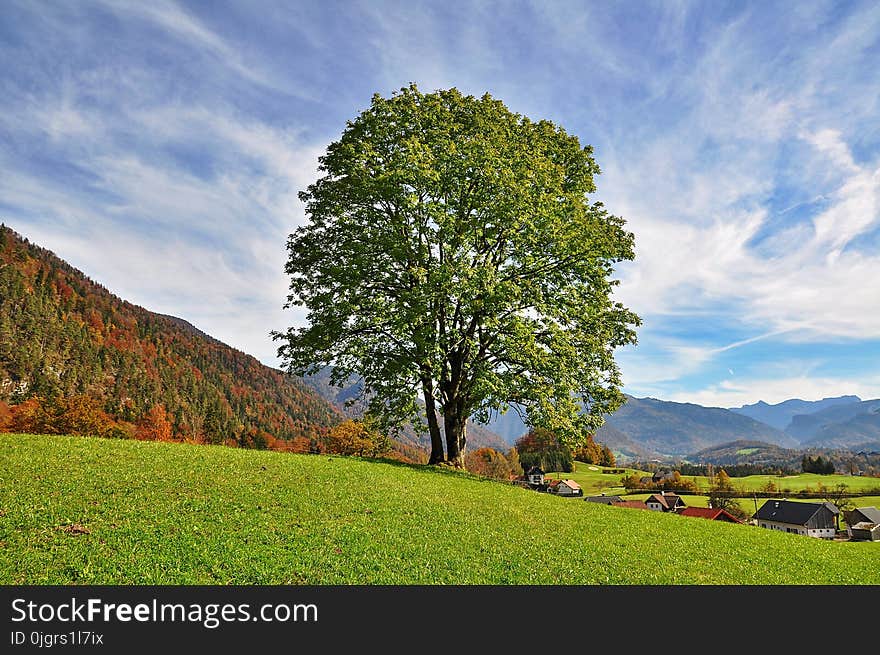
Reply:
x=478, y=436
x=66, y=339
x=857, y=432
x=645, y=427
x=841, y=422
x=780, y=415
x=820, y=425
x=670, y=428
x=625, y=448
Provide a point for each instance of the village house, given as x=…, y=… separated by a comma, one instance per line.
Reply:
x=603, y=499
x=535, y=476
x=665, y=501
x=565, y=488
x=863, y=524
x=710, y=513
x=810, y=519
x=658, y=477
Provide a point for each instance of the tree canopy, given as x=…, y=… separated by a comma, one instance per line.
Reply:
x=451, y=252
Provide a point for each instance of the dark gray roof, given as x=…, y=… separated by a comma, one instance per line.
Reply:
x=535, y=470
x=789, y=511
x=870, y=514
x=607, y=500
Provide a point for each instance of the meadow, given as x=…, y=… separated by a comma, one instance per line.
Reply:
x=593, y=481
x=102, y=511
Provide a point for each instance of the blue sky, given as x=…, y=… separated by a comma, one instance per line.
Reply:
x=159, y=147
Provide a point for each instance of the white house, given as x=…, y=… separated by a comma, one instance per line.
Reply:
x=535, y=476
x=566, y=488
x=665, y=501
x=809, y=519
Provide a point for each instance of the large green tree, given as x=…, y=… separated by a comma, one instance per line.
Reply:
x=452, y=253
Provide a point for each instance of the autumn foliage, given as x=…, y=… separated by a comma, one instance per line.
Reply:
x=154, y=426
x=542, y=448
x=489, y=463
x=675, y=482
x=591, y=452
x=75, y=359
x=77, y=414
x=356, y=438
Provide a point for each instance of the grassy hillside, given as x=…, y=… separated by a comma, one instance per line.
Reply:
x=101, y=511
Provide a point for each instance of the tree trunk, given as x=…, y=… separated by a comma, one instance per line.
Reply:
x=433, y=424
x=455, y=427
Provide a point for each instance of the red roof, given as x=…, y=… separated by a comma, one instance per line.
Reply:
x=635, y=504
x=710, y=513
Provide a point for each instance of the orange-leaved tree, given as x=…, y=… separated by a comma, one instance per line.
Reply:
x=489, y=463
x=357, y=438
x=154, y=426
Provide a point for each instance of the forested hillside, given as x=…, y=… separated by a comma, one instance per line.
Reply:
x=76, y=358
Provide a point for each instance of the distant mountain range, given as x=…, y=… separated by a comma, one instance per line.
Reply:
x=647, y=427
x=840, y=426
x=780, y=415
x=677, y=429
x=842, y=422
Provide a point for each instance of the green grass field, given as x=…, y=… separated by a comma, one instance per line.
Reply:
x=101, y=511
x=594, y=481
x=591, y=478
x=798, y=482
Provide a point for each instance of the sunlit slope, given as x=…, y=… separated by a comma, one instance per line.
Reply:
x=101, y=511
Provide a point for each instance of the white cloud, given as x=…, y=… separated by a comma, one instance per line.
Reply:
x=730, y=393
x=810, y=280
